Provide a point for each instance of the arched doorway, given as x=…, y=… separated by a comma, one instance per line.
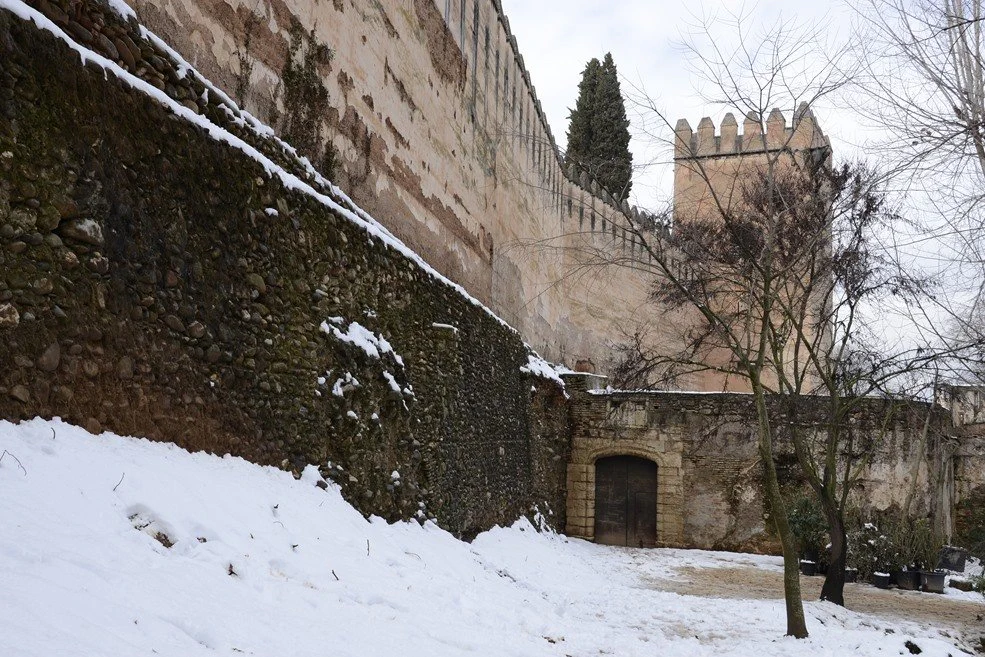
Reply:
x=626, y=501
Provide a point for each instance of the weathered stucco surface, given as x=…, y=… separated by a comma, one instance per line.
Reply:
x=442, y=139
x=709, y=478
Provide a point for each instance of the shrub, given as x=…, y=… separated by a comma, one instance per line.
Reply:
x=866, y=544
x=978, y=583
x=809, y=527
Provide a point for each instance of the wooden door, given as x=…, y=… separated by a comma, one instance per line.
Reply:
x=626, y=501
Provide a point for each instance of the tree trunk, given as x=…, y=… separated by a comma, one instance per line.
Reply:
x=833, y=589
x=796, y=624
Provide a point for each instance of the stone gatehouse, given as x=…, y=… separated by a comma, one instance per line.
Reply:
x=707, y=492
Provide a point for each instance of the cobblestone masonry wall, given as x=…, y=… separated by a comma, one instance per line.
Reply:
x=157, y=282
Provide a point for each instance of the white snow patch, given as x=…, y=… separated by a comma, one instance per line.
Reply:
x=344, y=385
x=447, y=327
x=392, y=381
x=360, y=336
x=259, y=558
x=540, y=367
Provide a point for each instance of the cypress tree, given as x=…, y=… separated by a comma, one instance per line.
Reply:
x=598, y=133
x=580, y=118
x=610, y=134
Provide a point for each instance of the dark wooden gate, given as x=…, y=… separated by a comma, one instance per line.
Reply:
x=626, y=501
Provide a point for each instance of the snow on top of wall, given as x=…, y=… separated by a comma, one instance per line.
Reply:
x=540, y=367
x=340, y=204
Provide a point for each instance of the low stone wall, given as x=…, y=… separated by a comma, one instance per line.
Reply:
x=709, y=477
x=157, y=282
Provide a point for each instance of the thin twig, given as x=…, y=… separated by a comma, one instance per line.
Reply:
x=336, y=577
x=119, y=482
x=21, y=466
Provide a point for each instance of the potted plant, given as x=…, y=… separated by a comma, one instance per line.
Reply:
x=881, y=580
x=810, y=530
x=928, y=544
x=902, y=555
x=808, y=567
x=932, y=582
x=864, y=542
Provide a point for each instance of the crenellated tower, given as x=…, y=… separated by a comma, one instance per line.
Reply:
x=706, y=160
x=711, y=171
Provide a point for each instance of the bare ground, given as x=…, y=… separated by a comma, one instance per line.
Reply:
x=959, y=619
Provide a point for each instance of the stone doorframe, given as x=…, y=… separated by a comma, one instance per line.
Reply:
x=581, y=489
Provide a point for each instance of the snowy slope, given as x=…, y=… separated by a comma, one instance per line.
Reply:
x=262, y=564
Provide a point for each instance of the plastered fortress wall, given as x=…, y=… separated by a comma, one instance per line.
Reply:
x=443, y=140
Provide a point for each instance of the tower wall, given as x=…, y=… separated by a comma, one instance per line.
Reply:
x=713, y=165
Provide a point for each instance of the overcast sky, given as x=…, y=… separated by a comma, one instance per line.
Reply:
x=557, y=38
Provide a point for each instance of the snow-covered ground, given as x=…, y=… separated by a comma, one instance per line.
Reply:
x=262, y=564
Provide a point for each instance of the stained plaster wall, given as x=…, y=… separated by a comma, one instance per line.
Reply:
x=709, y=476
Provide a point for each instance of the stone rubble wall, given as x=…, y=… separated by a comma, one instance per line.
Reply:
x=157, y=282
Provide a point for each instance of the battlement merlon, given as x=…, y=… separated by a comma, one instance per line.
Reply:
x=804, y=134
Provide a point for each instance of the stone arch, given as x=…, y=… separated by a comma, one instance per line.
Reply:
x=626, y=501
x=582, y=486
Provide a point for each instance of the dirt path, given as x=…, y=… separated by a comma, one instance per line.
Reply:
x=957, y=618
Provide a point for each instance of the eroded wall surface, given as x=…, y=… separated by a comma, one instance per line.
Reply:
x=443, y=140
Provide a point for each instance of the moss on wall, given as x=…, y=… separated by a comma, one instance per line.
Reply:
x=156, y=282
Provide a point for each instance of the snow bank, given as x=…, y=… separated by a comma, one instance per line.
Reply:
x=262, y=564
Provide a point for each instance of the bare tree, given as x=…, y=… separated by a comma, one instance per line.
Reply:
x=924, y=87
x=925, y=75
x=732, y=259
